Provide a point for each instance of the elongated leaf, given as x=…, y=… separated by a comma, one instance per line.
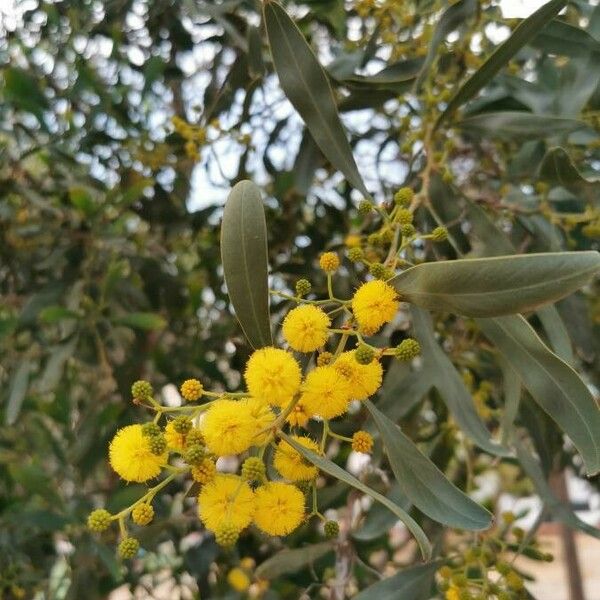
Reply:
x=424, y=484
x=512, y=399
x=487, y=287
x=142, y=320
x=554, y=385
x=519, y=124
x=244, y=256
x=336, y=471
x=414, y=583
x=18, y=390
x=450, y=385
x=453, y=17
x=307, y=88
x=291, y=561
x=559, y=37
x=559, y=510
x=380, y=520
x=557, y=333
x=558, y=168
x=525, y=32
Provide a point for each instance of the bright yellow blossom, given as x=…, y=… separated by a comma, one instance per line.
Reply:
x=273, y=375
x=228, y=427
x=305, y=328
x=191, y=390
x=279, y=508
x=226, y=499
x=325, y=393
x=175, y=441
x=130, y=455
x=364, y=380
x=374, y=304
x=263, y=417
x=238, y=579
x=453, y=593
x=299, y=416
x=291, y=464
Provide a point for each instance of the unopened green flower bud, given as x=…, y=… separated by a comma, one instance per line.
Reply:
x=194, y=454
x=364, y=354
x=141, y=390
x=331, y=529
x=355, y=254
x=128, y=547
x=365, y=207
x=303, y=287
x=227, y=535
x=182, y=425
x=151, y=429
x=407, y=230
x=253, y=470
x=158, y=444
x=99, y=520
x=142, y=513
x=377, y=270
x=403, y=216
x=407, y=349
x=404, y=196
x=439, y=234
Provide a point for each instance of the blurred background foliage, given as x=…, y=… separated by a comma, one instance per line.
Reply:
x=109, y=231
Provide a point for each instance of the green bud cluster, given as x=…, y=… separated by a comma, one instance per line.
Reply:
x=303, y=287
x=253, y=470
x=404, y=196
x=99, y=520
x=151, y=429
x=194, y=454
x=142, y=513
x=331, y=529
x=407, y=230
x=182, y=425
x=439, y=234
x=378, y=270
x=407, y=349
x=128, y=547
x=142, y=390
x=227, y=535
x=194, y=436
x=403, y=216
x=365, y=207
x=364, y=354
x=355, y=254
x=158, y=444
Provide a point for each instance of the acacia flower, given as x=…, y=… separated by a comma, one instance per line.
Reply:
x=325, y=393
x=279, y=508
x=291, y=464
x=228, y=427
x=305, y=328
x=226, y=499
x=364, y=380
x=374, y=304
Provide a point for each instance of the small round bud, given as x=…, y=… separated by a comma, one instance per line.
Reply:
x=204, y=471
x=182, y=425
x=128, y=547
x=324, y=358
x=331, y=529
x=99, y=520
x=378, y=270
x=364, y=354
x=141, y=390
x=227, y=535
x=404, y=196
x=403, y=216
x=142, y=514
x=374, y=239
x=302, y=287
x=151, y=429
x=407, y=230
x=194, y=454
x=387, y=235
x=329, y=262
x=352, y=240
x=191, y=390
x=194, y=436
x=407, y=349
x=365, y=207
x=158, y=444
x=253, y=470
x=362, y=442
x=355, y=254
x=439, y=234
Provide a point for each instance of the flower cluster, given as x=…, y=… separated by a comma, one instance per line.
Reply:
x=286, y=398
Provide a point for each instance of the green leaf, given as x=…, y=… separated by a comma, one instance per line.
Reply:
x=452, y=18
x=450, y=385
x=524, y=33
x=413, y=583
x=559, y=37
x=141, y=320
x=558, y=168
x=519, y=124
x=489, y=287
x=244, y=257
x=380, y=520
x=24, y=91
x=558, y=509
x=336, y=471
x=553, y=384
x=306, y=85
x=512, y=400
x=291, y=561
x=424, y=484
x=18, y=389
x=557, y=333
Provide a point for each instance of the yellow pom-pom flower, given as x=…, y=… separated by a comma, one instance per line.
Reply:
x=131, y=458
x=226, y=499
x=329, y=262
x=263, y=417
x=364, y=380
x=279, y=508
x=175, y=440
x=191, y=390
x=291, y=464
x=362, y=441
x=325, y=393
x=238, y=580
x=374, y=304
x=228, y=427
x=204, y=471
x=305, y=328
x=273, y=375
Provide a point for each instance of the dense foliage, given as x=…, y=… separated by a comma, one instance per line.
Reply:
x=124, y=126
